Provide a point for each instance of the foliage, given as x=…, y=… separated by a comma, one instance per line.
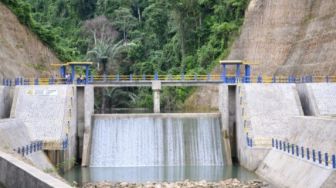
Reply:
x=170, y=37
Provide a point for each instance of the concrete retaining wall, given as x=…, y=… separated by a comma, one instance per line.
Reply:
x=14, y=135
x=49, y=112
x=263, y=112
x=6, y=97
x=318, y=99
x=286, y=170
x=15, y=173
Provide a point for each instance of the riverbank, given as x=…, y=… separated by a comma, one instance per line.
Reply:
x=229, y=183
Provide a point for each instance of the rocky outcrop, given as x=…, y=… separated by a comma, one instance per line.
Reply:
x=21, y=52
x=289, y=37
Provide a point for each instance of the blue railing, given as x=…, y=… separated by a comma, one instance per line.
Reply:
x=305, y=153
x=179, y=78
x=29, y=148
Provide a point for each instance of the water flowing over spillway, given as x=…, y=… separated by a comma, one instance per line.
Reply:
x=156, y=141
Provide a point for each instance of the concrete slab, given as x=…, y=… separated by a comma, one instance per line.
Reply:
x=286, y=170
x=15, y=173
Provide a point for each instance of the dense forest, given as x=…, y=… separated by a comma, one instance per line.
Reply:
x=136, y=36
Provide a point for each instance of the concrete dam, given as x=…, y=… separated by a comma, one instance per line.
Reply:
x=260, y=126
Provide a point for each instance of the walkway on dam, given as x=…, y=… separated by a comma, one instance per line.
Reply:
x=167, y=80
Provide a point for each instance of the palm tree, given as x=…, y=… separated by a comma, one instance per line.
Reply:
x=105, y=51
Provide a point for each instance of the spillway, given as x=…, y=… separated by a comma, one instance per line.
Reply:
x=156, y=140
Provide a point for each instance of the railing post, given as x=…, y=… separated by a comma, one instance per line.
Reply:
x=319, y=157
x=280, y=145
x=208, y=76
x=292, y=149
x=326, y=159
x=156, y=76
x=333, y=158
x=297, y=150
x=23, y=151
x=276, y=144
x=272, y=142
x=131, y=77
x=308, y=154
x=195, y=77
x=284, y=146
x=117, y=77
x=302, y=152
x=314, y=157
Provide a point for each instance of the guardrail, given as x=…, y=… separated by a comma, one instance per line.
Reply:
x=308, y=154
x=30, y=148
x=230, y=79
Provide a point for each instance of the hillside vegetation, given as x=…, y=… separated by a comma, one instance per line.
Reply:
x=21, y=52
x=137, y=36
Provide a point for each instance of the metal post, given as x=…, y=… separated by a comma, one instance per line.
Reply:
x=292, y=149
x=284, y=146
x=308, y=155
x=247, y=73
x=302, y=152
x=297, y=150
x=276, y=144
x=326, y=158
x=288, y=148
x=87, y=74
x=73, y=73
x=224, y=73
x=333, y=158
x=319, y=157
x=272, y=142
x=280, y=144
x=314, y=157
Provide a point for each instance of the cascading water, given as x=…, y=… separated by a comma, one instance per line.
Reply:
x=156, y=141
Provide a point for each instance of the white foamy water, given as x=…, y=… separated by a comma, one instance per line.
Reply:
x=156, y=141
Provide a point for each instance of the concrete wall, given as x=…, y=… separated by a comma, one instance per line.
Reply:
x=6, y=98
x=15, y=173
x=49, y=112
x=89, y=111
x=318, y=99
x=14, y=134
x=263, y=112
x=286, y=170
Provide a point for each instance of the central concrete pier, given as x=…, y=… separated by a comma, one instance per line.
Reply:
x=156, y=87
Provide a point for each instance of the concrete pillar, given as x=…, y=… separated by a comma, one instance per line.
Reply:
x=156, y=87
x=88, y=112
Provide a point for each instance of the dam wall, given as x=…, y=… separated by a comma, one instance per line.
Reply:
x=21, y=174
x=263, y=111
x=49, y=112
x=287, y=169
x=318, y=99
x=156, y=140
x=6, y=97
x=14, y=136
